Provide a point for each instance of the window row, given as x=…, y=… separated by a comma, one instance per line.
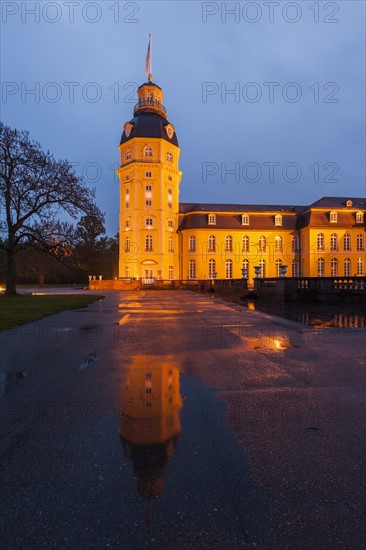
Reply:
x=244, y=219
x=333, y=217
x=148, y=152
x=245, y=244
x=212, y=274
x=148, y=244
x=346, y=242
x=149, y=224
x=335, y=270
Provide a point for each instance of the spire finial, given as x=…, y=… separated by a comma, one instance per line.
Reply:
x=148, y=67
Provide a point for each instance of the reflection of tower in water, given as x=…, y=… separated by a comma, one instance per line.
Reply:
x=150, y=422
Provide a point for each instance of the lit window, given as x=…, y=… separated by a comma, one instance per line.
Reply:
x=148, y=222
x=262, y=265
x=127, y=244
x=245, y=244
x=278, y=268
x=349, y=203
x=170, y=244
x=245, y=219
x=170, y=272
x=229, y=269
x=278, y=244
x=212, y=243
x=278, y=220
x=295, y=268
x=148, y=243
x=347, y=242
x=295, y=245
x=246, y=267
x=321, y=267
x=228, y=243
x=334, y=267
x=262, y=243
x=360, y=243
x=148, y=152
x=192, y=244
x=333, y=217
x=320, y=242
x=211, y=268
x=192, y=269
x=334, y=242
x=359, y=217
x=347, y=267
x=360, y=266
x=211, y=219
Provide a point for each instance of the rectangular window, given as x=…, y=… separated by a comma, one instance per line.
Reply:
x=245, y=219
x=170, y=272
x=211, y=219
x=148, y=187
x=148, y=175
x=278, y=220
x=333, y=217
x=147, y=203
x=170, y=178
x=127, y=205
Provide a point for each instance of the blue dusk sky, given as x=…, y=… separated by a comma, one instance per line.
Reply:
x=267, y=98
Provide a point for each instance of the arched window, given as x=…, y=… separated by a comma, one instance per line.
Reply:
x=192, y=269
x=211, y=268
x=148, y=152
x=148, y=243
x=229, y=269
x=245, y=244
x=192, y=243
x=228, y=243
x=295, y=268
x=127, y=244
x=278, y=268
x=246, y=267
x=320, y=242
x=262, y=243
x=360, y=267
x=334, y=242
x=170, y=244
x=169, y=156
x=347, y=242
x=262, y=265
x=360, y=242
x=128, y=154
x=295, y=245
x=347, y=267
x=321, y=267
x=334, y=267
x=212, y=243
x=278, y=243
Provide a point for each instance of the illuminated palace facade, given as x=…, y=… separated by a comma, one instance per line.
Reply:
x=161, y=238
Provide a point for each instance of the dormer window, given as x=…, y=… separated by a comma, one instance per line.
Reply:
x=278, y=220
x=244, y=219
x=333, y=217
x=349, y=203
x=212, y=219
x=359, y=217
x=148, y=152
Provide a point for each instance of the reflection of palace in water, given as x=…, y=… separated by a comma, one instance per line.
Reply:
x=150, y=422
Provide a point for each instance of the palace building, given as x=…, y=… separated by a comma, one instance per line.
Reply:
x=161, y=238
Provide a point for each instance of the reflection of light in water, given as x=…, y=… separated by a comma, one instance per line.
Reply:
x=150, y=422
x=277, y=344
x=251, y=306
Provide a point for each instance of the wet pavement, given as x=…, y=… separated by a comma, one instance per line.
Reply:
x=169, y=419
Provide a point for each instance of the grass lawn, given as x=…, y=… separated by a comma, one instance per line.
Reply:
x=17, y=310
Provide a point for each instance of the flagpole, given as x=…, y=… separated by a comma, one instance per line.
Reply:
x=150, y=66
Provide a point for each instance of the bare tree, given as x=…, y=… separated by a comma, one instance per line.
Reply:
x=35, y=190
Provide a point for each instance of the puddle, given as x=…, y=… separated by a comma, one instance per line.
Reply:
x=189, y=471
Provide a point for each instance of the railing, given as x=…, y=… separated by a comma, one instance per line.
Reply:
x=150, y=104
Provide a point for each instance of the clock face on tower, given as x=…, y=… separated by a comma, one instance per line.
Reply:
x=128, y=129
x=169, y=130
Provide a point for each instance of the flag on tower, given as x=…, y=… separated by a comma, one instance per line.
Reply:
x=148, y=68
